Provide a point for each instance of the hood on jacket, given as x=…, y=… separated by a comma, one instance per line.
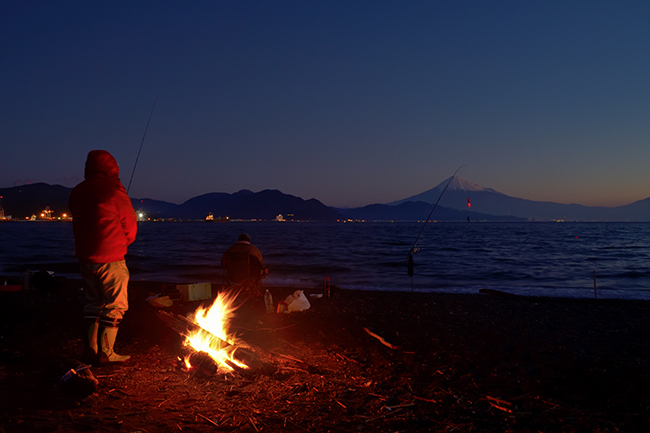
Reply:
x=101, y=162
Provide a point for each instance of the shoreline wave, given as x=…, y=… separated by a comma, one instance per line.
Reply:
x=548, y=260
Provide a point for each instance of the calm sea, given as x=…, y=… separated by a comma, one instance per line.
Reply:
x=543, y=259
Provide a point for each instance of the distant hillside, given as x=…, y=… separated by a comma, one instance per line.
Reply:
x=27, y=200
x=486, y=205
x=637, y=211
x=417, y=211
x=265, y=205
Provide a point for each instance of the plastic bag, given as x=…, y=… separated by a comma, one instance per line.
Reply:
x=296, y=302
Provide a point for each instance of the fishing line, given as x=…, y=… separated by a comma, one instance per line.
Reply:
x=141, y=143
x=409, y=258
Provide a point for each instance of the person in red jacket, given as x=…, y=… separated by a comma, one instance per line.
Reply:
x=104, y=225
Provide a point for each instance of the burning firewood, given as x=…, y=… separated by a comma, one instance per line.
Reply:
x=244, y=355
x=256, y=359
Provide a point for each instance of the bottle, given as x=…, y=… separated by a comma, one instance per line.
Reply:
x=268, y=301
x=326, y=287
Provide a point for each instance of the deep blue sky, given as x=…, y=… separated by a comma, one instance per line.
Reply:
x=349, y=102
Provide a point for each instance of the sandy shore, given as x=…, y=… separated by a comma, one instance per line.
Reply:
x=457, y=362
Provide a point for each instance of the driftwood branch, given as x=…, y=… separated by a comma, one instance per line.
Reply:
x=381, y=339
x=501, y=403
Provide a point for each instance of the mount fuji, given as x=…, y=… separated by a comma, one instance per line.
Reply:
x=456, y=185
x=454, y=205
x=462, y=194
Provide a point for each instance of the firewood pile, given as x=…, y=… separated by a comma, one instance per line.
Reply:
x=255, y=359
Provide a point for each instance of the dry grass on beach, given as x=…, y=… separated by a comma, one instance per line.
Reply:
x=459, y=363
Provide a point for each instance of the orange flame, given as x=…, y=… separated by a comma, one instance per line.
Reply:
x=215, y=320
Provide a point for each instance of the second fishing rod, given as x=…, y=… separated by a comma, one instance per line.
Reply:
x=409, y=258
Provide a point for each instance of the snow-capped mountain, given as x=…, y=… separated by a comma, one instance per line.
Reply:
x=457, y=184
x=462, y=194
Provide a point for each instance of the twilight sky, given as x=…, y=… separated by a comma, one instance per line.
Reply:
x=349, y=102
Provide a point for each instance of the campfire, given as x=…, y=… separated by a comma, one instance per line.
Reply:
x=212, y=336
x=208, y=343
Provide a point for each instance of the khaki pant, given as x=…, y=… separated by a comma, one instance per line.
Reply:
x=106, y=291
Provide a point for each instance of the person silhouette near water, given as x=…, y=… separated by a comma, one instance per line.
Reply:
x=243, y=263
x=104, y=225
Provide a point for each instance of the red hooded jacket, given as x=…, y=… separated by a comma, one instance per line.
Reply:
x=103, y=220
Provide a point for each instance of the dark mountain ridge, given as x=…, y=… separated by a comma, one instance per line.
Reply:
x=264, y=205
x=27, y=200
x=462, y=200
x=418, y=211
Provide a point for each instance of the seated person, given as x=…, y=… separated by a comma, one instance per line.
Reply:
x=243, y=263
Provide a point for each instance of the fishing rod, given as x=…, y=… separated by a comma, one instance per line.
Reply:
x=141, y=143
x=409, y=258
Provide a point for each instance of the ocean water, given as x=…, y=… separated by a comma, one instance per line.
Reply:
x=540, y=259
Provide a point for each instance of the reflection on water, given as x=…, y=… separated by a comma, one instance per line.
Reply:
x=545, y=259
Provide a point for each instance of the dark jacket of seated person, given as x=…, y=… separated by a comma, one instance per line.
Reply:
x=240, y=255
